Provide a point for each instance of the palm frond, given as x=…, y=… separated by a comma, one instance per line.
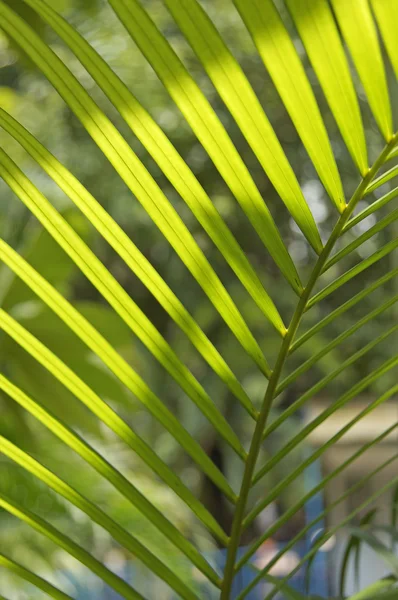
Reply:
x=327, y=32
x=235, y=90
x=128, y=490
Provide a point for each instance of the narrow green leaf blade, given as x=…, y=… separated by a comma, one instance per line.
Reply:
x=319, y=537
x=316, y=26
x=369, y=210
x=315, y=389
x=238, y=95
x=94, y=403
x=289, y=592
x=134, y=174
x=309, y=526
x=353, y=546
x=305, y=366
x=393, y=172
x=64, y=542
x=281, y=60
x=87, y=333
x=386, y=12
x=121, y=302
x=37, y=581
x=207, y=127
x=122, y=536
x=379, y=548
x=393, y=154
x=81, y=326
x=315, y=455
x=331, y=532
x=342, y=401
x=358, y=28
x=342, y=309
x=125, y=487
x=382, y=224
x=365, y=264
x=302, y=501
x=379, y=590
x=132, y=256
x=166, y=156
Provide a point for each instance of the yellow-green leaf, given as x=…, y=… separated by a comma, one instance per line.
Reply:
x=207, y=127
x=340, y=310
x=135, y=175
x=353, y=272
x=316, y=26
x=280, y=57
x=35, y=580
x=107, y=285
x=108, y=416
x=369, y=210
x=376, y=228
x=81, y=326
x=166, y=156
x=358, y=28
x=336, y=341
x=115, y=478
x=63, y=541
x=123, y=537
x=238, y=95
x=130, y=254
x=386, y=12
x=382, y=179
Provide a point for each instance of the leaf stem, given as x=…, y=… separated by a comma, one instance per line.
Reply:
x=280, y=362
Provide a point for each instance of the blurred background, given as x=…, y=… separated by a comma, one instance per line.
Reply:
x=27, y=95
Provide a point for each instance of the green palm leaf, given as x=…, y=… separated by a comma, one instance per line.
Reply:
x=126, y=249
x=376, y=205
x=162, y=151
x=365, y=264
x=233, y=87
x=315, y=24
x=108, y=286
x=360, y=34
x=280, y=58
x=92, y=457
x=291, y=544
x=382, y=179
x=207, y=127
x=70, y=546
x=352, y=393
x=77, y=386
x=40, y=583
x=318, y=323
x=97, y=515
x=132, y=172
x=310, y=494
x=387, y=17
